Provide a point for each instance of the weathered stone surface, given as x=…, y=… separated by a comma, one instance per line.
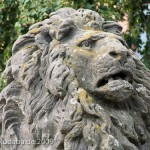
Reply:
x=73, y=84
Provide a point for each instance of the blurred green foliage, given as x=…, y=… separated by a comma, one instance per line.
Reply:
x=2, y=84
x=17, y=15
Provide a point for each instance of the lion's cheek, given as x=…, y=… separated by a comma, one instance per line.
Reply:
x=81, y=65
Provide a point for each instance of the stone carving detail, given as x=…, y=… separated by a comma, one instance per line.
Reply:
x=73, y=84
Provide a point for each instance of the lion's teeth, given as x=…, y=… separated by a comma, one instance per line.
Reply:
x=126, y=78
x=110, y=79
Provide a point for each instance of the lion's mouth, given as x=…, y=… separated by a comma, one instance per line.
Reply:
x=121, y=75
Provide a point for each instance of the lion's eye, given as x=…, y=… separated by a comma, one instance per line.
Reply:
x=86, y=45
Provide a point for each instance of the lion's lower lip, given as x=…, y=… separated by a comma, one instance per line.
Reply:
x=121, y=75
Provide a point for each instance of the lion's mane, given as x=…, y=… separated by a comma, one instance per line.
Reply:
x=43, y=97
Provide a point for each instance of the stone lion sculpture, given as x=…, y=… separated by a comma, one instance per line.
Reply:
x=74, y=84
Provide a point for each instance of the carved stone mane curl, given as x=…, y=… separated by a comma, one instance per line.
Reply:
x=44, y=100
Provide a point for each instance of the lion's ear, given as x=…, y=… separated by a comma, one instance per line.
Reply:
x=43, y=38
x=65, y=29
x=111, y=26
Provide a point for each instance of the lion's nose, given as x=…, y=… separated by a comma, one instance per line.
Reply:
x=120, y=55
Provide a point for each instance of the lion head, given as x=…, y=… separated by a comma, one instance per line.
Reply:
x=74, y=84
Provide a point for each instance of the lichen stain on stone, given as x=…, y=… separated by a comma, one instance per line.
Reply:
x=81, y=51
x=34, y=31
x=82, y=95
x=87, y=35
x=89, y=100
x=97, y=128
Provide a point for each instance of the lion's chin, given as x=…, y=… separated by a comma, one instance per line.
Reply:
x=116, y=90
